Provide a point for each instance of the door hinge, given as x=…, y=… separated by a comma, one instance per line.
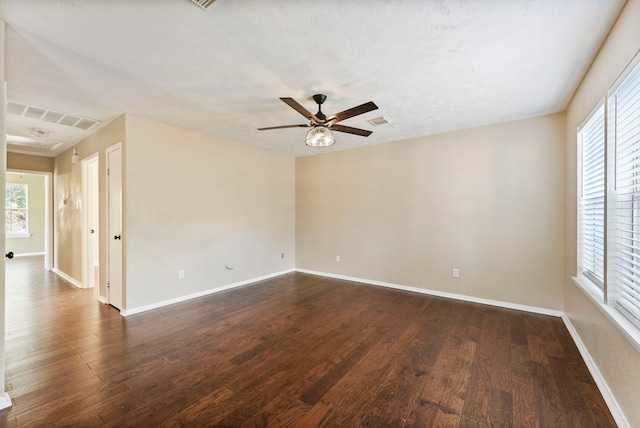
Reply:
x=108, y=284
x=108, y=171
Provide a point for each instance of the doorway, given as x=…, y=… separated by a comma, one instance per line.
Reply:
x=45, y=224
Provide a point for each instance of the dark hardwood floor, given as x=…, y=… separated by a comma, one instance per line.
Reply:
x=294, y=351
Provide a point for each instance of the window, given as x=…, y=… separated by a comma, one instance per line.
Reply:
x=16, y=210
x=592, y=199
x=624, y=146
x=609, y=203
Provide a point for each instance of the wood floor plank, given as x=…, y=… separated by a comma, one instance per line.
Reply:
x=476, y=403
x=525, y=400
x=573, y=402
x=451, y=405
x=592, y=397
x=500, y=408
x=298, y=350
x=384, y=409
x=363, y=379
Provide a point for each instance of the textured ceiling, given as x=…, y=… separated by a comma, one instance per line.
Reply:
x=431, y=66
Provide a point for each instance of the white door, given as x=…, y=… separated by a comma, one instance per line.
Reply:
x=114, y=222
x=91, y=232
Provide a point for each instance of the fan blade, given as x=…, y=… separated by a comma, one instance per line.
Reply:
x=363, y=108
x=303, y=111
x=284, y=126
x=350, y=130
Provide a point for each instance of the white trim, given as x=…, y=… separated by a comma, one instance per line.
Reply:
x=5, y=401
x=67, y=277
x=127, y=312
x=48, y=210
x=472, y=299
x=102, y=299
x=608, y=396
x=28, y=254
x=89, y=160
x=624, y=326
x=11, y=235
x=625, y=72
x=48, y=222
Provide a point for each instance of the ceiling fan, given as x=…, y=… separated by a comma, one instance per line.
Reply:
x=321, y=126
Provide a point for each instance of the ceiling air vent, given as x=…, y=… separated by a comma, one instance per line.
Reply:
x=204, y=4
x=377, y=121
x=34, y=112
x=15, y=108
x=51, y=116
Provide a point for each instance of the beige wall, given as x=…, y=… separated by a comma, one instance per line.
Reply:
x=67, y=191
x=616, y=358
x=197, y=203
x=36, y=204
x=24, y=162
x=489, y=201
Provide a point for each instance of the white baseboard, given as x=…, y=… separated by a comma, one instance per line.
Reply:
x=67, y=278
x=508, y=305
x=608, y=396
x=102, y=300
x=137, y=310
x=5, y=401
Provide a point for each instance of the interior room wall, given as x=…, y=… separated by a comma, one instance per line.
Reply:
x=22, y=162
x=67, y=191
x=488, y=201
x=617, y=360
x=198, y=203
x=34, y=243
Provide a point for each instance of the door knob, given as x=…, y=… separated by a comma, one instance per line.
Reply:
x=117, y=237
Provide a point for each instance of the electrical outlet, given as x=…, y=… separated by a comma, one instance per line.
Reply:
x=180, y=274
x=337, y=259
x=456, y=272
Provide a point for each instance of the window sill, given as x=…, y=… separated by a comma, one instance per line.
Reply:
x=18, y=235
x=628, y=329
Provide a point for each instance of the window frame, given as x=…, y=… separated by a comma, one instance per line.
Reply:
x=605, y=298
x=25, y=233
x=583, y=271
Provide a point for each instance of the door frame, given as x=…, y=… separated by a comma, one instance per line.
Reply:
x=48, y=212
x=94, y=158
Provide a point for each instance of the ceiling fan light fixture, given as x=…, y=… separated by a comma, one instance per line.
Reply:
x=319, y=136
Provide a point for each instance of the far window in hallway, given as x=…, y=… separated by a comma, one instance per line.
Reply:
x=16, y=209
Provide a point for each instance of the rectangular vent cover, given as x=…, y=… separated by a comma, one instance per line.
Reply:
x=51, y=116
x=204, y=4
x=379, y=121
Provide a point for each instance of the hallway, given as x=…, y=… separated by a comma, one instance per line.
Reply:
x=43, y=362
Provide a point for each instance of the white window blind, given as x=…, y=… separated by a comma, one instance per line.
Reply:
x=624, y=142
x=592, y=199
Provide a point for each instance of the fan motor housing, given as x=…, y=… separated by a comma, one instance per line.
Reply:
x=319, y=98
